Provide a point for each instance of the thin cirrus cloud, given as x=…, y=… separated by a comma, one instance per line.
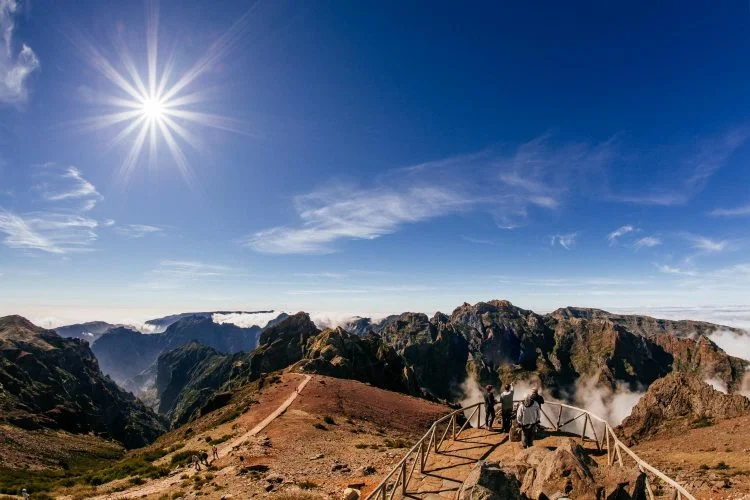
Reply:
x=620, y=231
x=667, y=269
x=63, y=225
x=647, y=242
x=741, y=211
x=15, y=67
x=695, y=170
x=707, y=244
x=567, y=241
x=135, y=231
x=508, y=186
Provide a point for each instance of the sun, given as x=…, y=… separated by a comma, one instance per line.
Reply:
x=153, y=109
x=160, y=105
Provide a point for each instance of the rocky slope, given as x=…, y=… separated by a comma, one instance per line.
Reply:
x=679, y=402
x=47, y=381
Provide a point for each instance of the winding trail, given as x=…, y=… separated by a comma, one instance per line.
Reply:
x=159, y=485
x=223, y=451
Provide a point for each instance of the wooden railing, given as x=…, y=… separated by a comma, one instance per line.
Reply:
x=399, y=476
x=607, y=439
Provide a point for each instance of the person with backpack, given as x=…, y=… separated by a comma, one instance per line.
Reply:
x=528, y=417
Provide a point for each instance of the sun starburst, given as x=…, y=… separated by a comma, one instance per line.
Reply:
x=158, y=107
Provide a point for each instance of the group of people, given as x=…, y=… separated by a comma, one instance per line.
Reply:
x=527, y=414
x=202, y=458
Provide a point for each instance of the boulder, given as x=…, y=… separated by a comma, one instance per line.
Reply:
x=351, y=494
x=490, y=481
x=564, y=471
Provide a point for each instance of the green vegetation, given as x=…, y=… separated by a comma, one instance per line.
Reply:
x=702, y=422
x=320, y=426
x=307, y=485
x=329, y=420
x=396, y=443
x=183, y=457
x=225, y=437
x=229, y=416
x=721, y=466
x=72, y=472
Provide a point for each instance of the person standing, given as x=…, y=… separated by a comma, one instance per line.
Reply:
x=215, y=452
x=528, y=417
x=489, y=405
x=506, y=406
x=24, y=494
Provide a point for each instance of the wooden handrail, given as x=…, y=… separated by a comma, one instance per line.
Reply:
x=609, y=440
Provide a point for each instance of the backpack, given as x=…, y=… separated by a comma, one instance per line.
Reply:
x=515, y=432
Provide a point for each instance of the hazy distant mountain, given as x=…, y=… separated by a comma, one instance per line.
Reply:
x=124, y=353
x=89, y=332
x=48, y=381
x=161, y=324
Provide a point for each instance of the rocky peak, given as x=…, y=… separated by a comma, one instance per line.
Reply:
x=679, y=401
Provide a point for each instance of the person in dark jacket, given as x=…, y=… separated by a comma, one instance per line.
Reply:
x=537, y=397
x=489, y=405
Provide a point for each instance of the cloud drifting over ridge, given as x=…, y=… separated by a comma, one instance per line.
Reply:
x=15, y=68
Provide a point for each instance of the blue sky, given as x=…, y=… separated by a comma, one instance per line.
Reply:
x=348, y=157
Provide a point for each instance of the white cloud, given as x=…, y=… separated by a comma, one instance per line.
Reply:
x=191, y=269
x=567, y=241
x=64, y=225
x=536, y=175
x=15, y=65
x=731, y=212
x=137, y=230
x=621, y=231
x=246, y=320
x=647, y=242
x=667, y=269
x=354, y=214
x=78, y=188
x=706, y=244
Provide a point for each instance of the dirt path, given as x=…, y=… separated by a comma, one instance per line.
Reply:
x=156, y=486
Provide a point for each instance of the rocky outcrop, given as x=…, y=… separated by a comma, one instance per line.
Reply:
x=565, y=472
x=47, y=381
x=338, y=353
x=677, y=402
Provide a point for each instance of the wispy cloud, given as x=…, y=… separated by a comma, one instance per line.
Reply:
x=667, y=269
x=64, y=225
x=647, y=242
x=15, y=67
x=693, y=172
x=175, y=273
x=536, y=175
x=137, y=230
x=67, y=184
x=567, y=241
x=620, y=231
x=731, y=212
x=707, y=244
x=191, y=269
